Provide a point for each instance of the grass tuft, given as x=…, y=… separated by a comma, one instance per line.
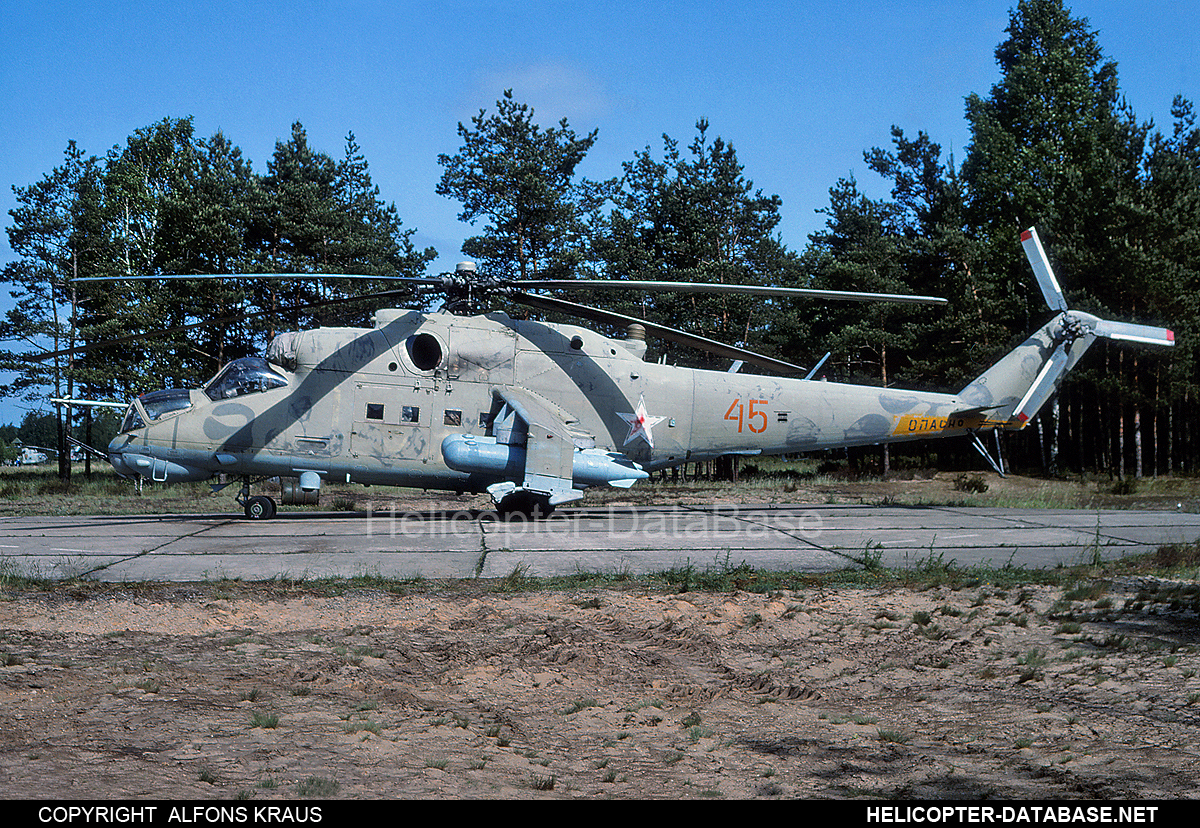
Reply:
x=266, y=720
x=542, y=783
x=580, y=704
x=317, y=787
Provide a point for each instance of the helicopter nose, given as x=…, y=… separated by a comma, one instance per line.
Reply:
x=134, y=461
x=116, y=458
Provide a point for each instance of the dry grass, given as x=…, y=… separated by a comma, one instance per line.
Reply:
x=28, y=491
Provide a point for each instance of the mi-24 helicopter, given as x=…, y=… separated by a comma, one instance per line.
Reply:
x=534, y=413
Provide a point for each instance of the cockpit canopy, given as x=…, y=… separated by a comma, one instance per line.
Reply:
x=248, y=375
x=156, y=404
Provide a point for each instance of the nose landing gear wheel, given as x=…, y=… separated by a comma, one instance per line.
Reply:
x=260, y=507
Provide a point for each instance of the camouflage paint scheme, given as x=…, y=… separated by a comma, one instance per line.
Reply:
x=319, y=421
x=490, y=403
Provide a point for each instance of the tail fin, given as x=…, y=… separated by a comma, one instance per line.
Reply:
x=1017, y=386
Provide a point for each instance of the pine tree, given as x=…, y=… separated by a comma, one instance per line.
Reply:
x=697, y=218
x=1173, y=200
x=862, y=250
x=520, y=179
x=1053, y=146
x=49, y=235
x=167, y=204
x=939, y=257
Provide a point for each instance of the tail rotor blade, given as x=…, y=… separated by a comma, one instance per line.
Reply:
x=1128, y=332
x=1045, y=385
x=1041, y=268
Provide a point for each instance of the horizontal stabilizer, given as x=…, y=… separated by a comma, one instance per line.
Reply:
x=974, y=411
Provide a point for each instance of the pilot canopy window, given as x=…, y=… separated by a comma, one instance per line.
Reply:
x=249, y=375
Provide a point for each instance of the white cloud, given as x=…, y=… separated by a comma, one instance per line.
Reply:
x=554, y=89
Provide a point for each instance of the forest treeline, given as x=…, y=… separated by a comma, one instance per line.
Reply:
x=1053, y=144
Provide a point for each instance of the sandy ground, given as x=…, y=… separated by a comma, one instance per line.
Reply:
x=979, y=692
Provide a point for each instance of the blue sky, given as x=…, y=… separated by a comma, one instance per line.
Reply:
x=800, y=89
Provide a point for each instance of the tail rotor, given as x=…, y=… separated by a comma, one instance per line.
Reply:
x=1072, y=326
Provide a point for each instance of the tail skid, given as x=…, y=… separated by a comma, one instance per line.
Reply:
x=1017, y=386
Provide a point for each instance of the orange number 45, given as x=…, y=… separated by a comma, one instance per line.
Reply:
x=755, y=419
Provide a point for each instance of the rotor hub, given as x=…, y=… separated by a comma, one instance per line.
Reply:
x=466, y=288
x=1072, y=328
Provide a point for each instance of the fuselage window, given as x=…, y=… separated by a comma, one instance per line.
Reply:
x=410, y=413
x=374, y=411
x=453, y=417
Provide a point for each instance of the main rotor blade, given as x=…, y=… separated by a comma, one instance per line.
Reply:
x=449, y=282
x=90, y=403
x=698, y=287
x=248, y=277
x=549, y=303
x=94, y=452
x=80, y=349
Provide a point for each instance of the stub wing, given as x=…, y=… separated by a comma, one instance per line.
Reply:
x=536, y=448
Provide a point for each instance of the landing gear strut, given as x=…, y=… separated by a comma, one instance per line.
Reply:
x=258, y=507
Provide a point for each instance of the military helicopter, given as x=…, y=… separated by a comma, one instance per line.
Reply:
x=536, y=412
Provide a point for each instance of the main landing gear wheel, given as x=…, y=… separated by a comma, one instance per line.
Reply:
x=260, y=507
x=524, y=506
